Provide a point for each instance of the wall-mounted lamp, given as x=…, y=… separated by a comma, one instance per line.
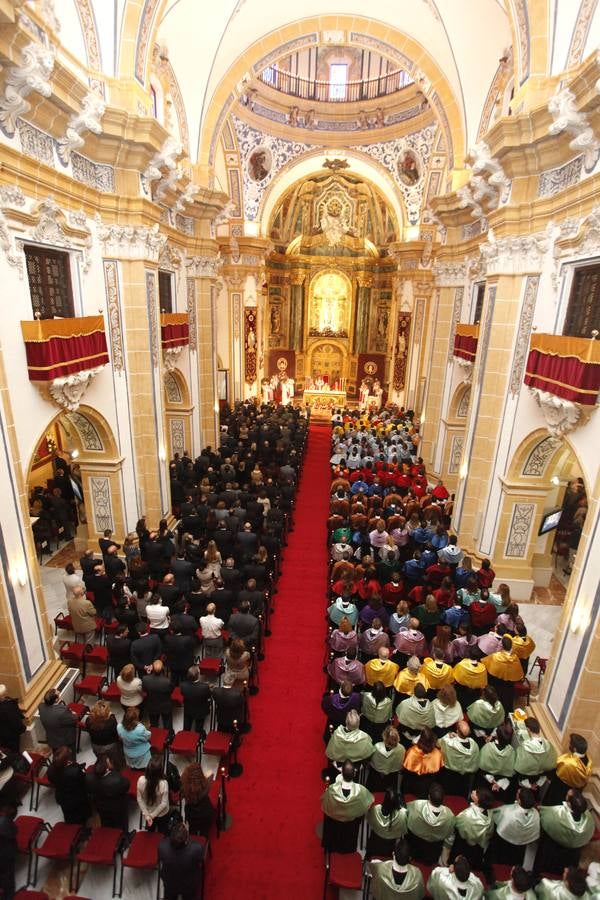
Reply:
x=162, y=454
x=423, y=417
x=580, y=616
x=555, y=480
x=74, y=454
x=463, y=471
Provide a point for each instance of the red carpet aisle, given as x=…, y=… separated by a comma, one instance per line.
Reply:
x=272, y=850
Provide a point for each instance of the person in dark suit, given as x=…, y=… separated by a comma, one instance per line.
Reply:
x=59, y=723
x=113, y=563
x=108, y=791
x=181, y=862
x=158, y=690
x=244, y=625
x=229, y=704
x=106, y=542
x=8, y=849
x=179, y=649
x=101, y=585
x=183, y=572
x=230, y=576
x=254, y=597
x=145, y=649
x=224, y=599
x=196, y=700
x=223, y=538
x=68, y=779
x=156, y=556
x=246, y=543
x=168, y=591
x=87, y=564
x=119, y=648
x=11, y=721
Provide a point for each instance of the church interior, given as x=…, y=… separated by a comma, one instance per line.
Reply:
x=320, y=207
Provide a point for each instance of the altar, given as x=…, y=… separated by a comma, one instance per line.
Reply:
x=323, y=402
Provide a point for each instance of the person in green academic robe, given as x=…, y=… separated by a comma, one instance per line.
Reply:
x=517, y=825
x=474, y=827
x=396, y=879
x=348, y=742
x=497, y=764
x=387, y=823
x=485, y=714
x=461, y=760
x=414, y=714
x=566, y=829
x=430, y=826
x=386, y=762
x=572, y=887
x=455, y=882
x=344, y=804
x=535, y=755
x=518, y=888
x=376, y=710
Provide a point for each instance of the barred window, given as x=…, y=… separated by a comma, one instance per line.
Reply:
x=480, y=288
x=165, y=295
x=583, y=311
x=49, y=278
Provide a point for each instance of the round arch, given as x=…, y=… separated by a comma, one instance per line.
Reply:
x=99, y=462
x=447, y=109
x=306, y=165
x=460, y=401
x=178, y=412
x=539, y=456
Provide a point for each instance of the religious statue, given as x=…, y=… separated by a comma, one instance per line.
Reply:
x=275, y=320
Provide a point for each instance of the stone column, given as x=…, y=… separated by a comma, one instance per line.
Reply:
x=297, y=310
x=363, y=309
x=234, y=281
x=137, y=249
x=202, y=299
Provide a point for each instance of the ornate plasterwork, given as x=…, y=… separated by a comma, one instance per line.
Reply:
x=515, y=255
x=33, y=75
x=172, y=389
x=520, y=526
x=522, y=28
x=191, y=311
x=36, y=143
x=171, y=357
x=87, y=432
x=165, y=158
x=205, y=266
x=456, y=452
x=96, y=175
x=186, y=197
x=93, y=107
x=561, y=416
x=554, y=180
x=68, y=392
x=388, y=153
x=523, y=334
x=152, y=317
x=128, y=242
x=90, y=33
x=170, y=258
x=562, y=107
x=10, y=195
x=101, y=502
x=113, y=305
x=143, y=38
x=488, y=187
x=466, y=366
x=177, y=436
x=9, y=247
x=463, y=404
x=449, y=274
x=580, y=32
x=456, y=310
x=540, y=456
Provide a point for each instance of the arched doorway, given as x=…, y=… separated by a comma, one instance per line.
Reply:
x=542, y=515
x=178, y=412
x=77, y=456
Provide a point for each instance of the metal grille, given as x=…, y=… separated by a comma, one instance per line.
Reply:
x=584, y=303
x=165, y=296
x=49, y=283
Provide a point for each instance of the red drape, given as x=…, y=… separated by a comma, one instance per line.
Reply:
x=175, y=335
x=564, y=376
x=58, y=356
x=465, y=346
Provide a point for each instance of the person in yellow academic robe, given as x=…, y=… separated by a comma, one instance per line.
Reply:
x=408, y=678
x=523, y=646
x=470, y=677
x=381, y=669
x=573, y=770
x=437, y=672
x=504, y=670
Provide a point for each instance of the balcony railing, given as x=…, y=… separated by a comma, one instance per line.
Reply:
x=58, y=348
x=566, y=367
x=332, y=92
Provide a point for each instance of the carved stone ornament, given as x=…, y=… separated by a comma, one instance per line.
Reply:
x=467, y=368
x=32, y=75
x=129, y=242
x=93, y=108
x=449, y=274
x=171, y=357
x=567, y=117
x=166, y=158
x=205, y=266
x=68, y=392
x=561, y=416
x=515, y=255
x=186, y=197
